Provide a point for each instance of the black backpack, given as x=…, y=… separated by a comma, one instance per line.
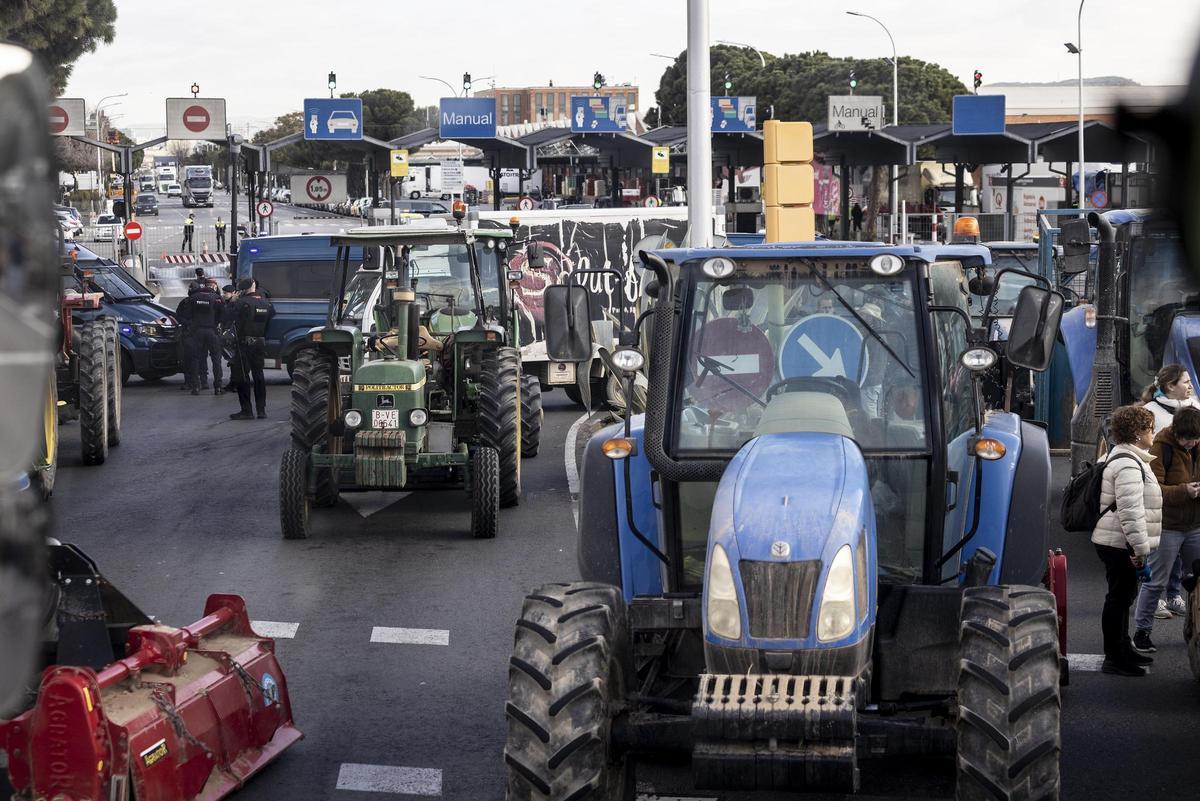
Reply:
x=1080, y=510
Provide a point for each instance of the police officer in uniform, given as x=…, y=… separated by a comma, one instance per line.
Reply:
x=251, y=314
x=220, y=226
x=183, y=314
x=189, y=226
x=205, y=313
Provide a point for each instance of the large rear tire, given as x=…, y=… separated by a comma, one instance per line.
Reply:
x=93, y=393
x=485, y=493
x=293, y=494
x=1008, y=696
x=23, y=531
x=1191, y=634
x=112, y=354
x=500, y=417
x=315, y=405
x=566, y=681
x=531, y=416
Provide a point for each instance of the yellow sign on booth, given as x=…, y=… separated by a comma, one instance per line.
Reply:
x=660, y=164
x=399, y=163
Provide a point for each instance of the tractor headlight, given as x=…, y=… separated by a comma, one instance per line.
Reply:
x=628, y=359
x=353, y=418
x=836, y=618
x=724, y=615
x=978, y=359
x=718, y=267
x=417, y=417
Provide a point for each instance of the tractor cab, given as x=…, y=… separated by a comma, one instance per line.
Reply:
x=798, y=532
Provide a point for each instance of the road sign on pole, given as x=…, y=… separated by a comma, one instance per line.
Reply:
x=68, y=116
x=196, y=118
x=399, y=163
x=660, y=161
x=855, y=113
x=977, y=114
x=308, y=190
x=333, y=118
x=733, y=114
x=597, y=114
x=265, y=208
x=467, y=117
x=1099, y=198
x=452, y=177
x=133, y=230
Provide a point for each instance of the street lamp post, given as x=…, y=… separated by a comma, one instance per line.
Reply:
x=699, y=130
x=1077, y=49
x=895, y=113
x=96, y=112
x=761, y=57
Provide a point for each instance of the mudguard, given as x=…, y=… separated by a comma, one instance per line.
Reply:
x=1081, y=347
x=1183, y=344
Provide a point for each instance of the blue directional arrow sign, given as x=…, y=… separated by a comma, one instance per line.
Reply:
x=333, y=118
x=823, y=345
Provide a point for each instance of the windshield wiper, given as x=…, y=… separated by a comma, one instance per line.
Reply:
x=713, y=366
x=829, y=288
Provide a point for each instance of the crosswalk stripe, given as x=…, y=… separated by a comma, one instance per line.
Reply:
x=1087, y=663
x=389, y=779
x=274, y=629
x=397, y=636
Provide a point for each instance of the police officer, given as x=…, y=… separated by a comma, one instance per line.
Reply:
x=183, y=314
x=189, y=226
x=251, y=314
x=205, y=313
x=220, y=226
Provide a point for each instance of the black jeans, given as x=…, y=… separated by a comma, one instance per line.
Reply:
x=206, y=347
x=252, y=351
x=1122, y=590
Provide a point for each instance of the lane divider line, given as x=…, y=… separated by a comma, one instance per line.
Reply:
x=274, y=629
x=1085, y=663
x=389, y=779
x=397, y=636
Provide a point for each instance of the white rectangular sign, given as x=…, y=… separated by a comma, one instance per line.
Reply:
x=452, y=177
x=67, y=116
x=856, y=113
x=195, y=118
x=308, y=190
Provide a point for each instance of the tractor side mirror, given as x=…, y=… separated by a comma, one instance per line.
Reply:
x=1034, y=328
x=535, y=256
x=568, y=323
x=982, y=285
x=1076, y=239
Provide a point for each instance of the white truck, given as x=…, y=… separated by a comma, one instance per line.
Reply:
x=197, y=186
x=165, y=176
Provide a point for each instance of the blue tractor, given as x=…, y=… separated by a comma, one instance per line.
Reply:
x=816, y=548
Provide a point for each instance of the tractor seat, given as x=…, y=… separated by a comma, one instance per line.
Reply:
x=814, y=412
x=428, y=342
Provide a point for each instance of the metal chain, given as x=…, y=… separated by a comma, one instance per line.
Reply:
x=160, y=699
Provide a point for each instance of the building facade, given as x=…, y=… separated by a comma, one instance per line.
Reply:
x=517, y=105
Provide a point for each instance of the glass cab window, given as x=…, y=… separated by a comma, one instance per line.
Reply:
x=1159, y=285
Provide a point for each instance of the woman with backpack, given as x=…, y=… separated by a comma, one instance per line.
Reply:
x=1127, y=532
x=1176, y=465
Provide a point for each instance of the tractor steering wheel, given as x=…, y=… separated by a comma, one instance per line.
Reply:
x=841, y=387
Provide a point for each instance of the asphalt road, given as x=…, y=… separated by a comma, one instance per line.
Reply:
x=187, y=505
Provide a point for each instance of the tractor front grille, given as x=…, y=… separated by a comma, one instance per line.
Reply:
x=779, y=597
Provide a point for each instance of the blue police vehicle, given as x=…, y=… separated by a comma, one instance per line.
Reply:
x=815, y=549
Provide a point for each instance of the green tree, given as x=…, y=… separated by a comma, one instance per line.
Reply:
x=388, y=113
x=58, y=31
x=798, y=85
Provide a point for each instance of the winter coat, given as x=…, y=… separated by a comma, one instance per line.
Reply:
x=1164, y=408
x=1180, y=512
x=1137, y=520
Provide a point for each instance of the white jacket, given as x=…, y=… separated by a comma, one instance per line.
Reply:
x=1137, y=520
x=1164, y=408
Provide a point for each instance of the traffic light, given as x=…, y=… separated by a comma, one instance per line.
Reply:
x=728, y=84
x=853, y=81
x=466, y=81
x=978, y=79
x=597, y=81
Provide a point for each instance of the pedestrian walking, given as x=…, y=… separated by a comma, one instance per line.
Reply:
x=1127, y=532
x=1176, y=466
x=251, y=314
x=1171, y=391
x=220, y=226
x=206, y=310
x=189, y=227
x=856, y=219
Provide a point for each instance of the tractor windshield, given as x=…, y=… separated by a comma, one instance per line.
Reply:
x=358, y=292
x=807, y=345
x=444, y=287
x=1159, y=286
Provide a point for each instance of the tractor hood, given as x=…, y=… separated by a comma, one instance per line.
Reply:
x=395, y=375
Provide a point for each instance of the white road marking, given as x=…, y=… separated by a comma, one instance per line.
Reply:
x=389, y=779
x=410, y=636
x=1088, y=663
x=369, y=503
x=274, y=629
x=572, y=468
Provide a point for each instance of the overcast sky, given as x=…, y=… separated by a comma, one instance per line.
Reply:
x=265, y=56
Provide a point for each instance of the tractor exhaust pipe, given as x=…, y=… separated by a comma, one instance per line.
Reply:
x=1087, y=424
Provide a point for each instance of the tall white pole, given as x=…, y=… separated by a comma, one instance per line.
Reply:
x=1079, y=35
x=699, y=134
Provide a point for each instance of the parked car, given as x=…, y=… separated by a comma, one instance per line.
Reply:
x=147, y=203
x=107, y=228
x=425, y=208
x=71, y=212
x=69, y=224
x=174, y=190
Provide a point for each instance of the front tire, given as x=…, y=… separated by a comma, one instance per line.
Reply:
x=1008, y=733
x=500, y=417
x=93, y=393
x=531, y=416
x=112, y=354
x=566, y=680
x=485, y=493
x=293, y=494
x=314, y=407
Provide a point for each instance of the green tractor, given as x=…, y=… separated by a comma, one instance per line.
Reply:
x=415, y=380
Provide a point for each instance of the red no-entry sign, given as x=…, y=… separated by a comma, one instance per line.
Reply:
x=196, y=119
x=133, y=230
x=59, y=119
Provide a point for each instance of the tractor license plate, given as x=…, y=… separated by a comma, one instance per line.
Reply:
x=385, y=418
x=561, y=373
